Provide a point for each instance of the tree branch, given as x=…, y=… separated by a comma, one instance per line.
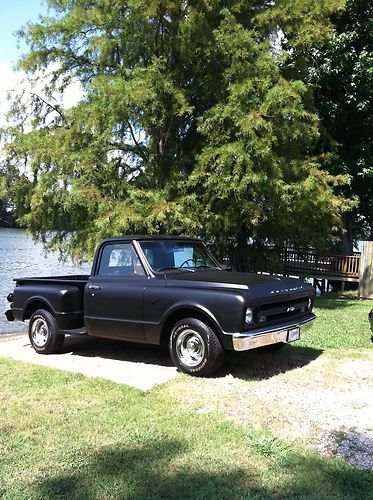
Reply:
x=57, y=109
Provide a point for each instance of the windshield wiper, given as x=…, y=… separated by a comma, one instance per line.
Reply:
x=174, y=267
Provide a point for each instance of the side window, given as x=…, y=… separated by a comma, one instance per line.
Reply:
x=120, y=259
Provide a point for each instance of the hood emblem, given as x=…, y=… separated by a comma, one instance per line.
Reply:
x=290, y=309
x=284, y=290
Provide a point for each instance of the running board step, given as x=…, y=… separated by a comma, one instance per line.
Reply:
x=75, y=331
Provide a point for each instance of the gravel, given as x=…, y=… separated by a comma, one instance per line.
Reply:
x=323, y=401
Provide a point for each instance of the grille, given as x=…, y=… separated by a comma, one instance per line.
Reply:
x=267, y=314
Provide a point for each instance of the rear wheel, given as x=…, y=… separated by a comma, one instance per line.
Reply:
x=43, y=332
x=195, y=348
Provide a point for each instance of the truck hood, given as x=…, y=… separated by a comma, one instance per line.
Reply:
x=263, y=284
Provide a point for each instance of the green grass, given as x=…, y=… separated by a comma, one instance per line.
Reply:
x=342, y=323
x=66, y=436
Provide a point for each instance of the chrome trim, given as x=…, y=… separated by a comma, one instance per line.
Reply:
x=190, y=348
x=40, y=332
x=144, y=261
x=246, y=341
x=287, y=290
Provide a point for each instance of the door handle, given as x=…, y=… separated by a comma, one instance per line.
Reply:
x=94, y=287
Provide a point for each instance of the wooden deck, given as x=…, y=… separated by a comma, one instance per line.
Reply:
x=314, y=265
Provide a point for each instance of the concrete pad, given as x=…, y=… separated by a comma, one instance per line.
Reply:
x=137, y=365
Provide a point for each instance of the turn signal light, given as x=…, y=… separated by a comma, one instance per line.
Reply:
x=249, y=316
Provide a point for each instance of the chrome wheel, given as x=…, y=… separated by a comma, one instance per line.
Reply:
x=190, y=348
x=40, y=332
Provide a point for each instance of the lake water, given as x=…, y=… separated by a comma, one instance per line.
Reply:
x=21, y=257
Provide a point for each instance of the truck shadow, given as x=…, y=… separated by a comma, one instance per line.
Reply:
x=258, y=364
x=117, y=350
x=261, y=364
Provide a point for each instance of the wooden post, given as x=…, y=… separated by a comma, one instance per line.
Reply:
x=366, y=271
x=286, y=259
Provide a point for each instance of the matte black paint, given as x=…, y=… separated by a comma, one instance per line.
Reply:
x=64, y=300
x=136, y=308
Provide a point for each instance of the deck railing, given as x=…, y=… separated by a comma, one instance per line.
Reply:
x=309, y=263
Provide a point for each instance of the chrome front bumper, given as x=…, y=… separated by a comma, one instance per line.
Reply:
x=281, y=333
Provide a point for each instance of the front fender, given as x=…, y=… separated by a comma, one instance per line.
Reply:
x=199, y=309
x=224, y=309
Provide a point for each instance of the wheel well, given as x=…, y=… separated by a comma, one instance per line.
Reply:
x=34, y=306
x=185, y=313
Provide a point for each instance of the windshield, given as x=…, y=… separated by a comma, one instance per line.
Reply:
x=168, y=254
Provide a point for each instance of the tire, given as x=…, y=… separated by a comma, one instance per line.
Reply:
x=194, y=347
x=43, y=334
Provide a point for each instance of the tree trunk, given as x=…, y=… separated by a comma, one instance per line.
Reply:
x=240, y=254
x=346, y=245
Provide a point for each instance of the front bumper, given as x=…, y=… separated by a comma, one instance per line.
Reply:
x=281, y=333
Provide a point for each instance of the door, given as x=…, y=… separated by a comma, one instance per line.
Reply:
x=114, y=295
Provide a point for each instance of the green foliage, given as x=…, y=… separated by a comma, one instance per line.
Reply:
x=257, y=176
x=303, y=23
x=187, y=124
x=342, y=71
x=5, y=215
x=13, y=190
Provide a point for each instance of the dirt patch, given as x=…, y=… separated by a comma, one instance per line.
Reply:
x=325, y=402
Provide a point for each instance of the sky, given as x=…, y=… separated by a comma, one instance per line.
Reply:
x=13, y=15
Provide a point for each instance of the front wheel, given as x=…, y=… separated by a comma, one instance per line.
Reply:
x=195, y=348
x=43, y=332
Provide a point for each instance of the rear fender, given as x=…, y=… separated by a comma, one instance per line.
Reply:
x=35, y=303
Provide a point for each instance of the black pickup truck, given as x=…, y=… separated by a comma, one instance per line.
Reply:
x=160, y=290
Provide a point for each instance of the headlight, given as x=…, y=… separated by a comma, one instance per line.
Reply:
x=249, y=316
x=309, y=305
